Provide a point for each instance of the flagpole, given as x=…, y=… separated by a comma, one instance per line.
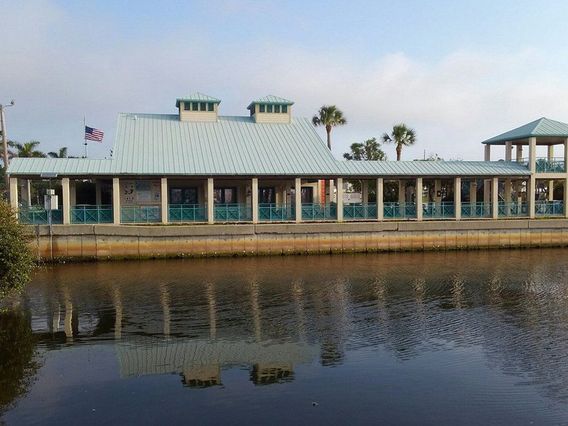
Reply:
x=84, y=133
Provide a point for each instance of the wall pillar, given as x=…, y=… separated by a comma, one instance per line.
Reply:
x=473, y=191
x=508, y=191
x=254, y=199
x=340, y=199
x=365, y=191
x=532, y=154
x=519, y=153
x=495, y=197
x=508, y=151
x=26, y=192
x=14, y=193
x=164, y=199
x=437, y=189
x=419, y=191
x=331, y=192
x=298, y=199
x=401, y=191
x=66, y=195
x=487, y=153
x=380, y=196
x=457, y=197
x=116, y=200
x=210, y=201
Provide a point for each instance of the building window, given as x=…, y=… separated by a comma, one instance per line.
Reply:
x=277, y=109
x=202, y=106
x=262, y=108
x=225, y=195
x=269, y=108
x=186, y=106
x=307, y=195
x=194, y=106
x=284, y=109
x=210, y=106
x=183, y=196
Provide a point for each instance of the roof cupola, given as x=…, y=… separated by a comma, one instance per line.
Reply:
x=198, y=107
x=271, y=109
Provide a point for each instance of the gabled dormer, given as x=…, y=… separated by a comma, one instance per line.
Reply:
x=271, y=109
x=198, y=107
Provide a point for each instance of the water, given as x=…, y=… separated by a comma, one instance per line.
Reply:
x=428, y=338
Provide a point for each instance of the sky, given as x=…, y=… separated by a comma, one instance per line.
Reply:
x=458, y=72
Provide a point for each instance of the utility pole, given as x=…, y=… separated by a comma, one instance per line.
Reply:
x=5, y=142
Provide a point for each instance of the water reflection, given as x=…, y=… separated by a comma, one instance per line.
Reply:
x=282, y=319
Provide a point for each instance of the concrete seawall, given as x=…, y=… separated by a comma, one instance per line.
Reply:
x=90, y=242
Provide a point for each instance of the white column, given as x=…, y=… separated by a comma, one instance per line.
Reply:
x=340, y=199
x=164, y=199
x=116, y=201
x=495, y=197
x=210, y=201
x=473, y=191
x=66, y=192
x=365, y=191
x=14, y=193
x=298, y=199
x=487, y=152
x=437, y=189
x=508, y=151
x=401, y=191
x=566, y=179
x=380, y=196
x=531, y=190
x=419, y=190
x=26, y=192
x=254, y=199
x=331, y=192
x=566, y=155
x=551, y=182
x=457, y=197
x=519, y=153
x=98, y=192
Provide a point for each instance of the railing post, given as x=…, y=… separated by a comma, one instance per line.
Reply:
x=298, y=199
x=66, y=202
x=495, y=197
x=254, y=198
x=380, y=196
x=339, y=199
x=164, y=199
x=418, y=190
x=457, y=198
x=116, y=201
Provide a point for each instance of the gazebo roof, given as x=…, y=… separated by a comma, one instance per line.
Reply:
x=548, y=131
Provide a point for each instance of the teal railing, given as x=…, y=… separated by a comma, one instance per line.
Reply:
x=359, y=211
x=140, y=214
x=399, y=210
x=476, y=210
x=544, y=165
x=187, y=213
x=549, y=208
x=513, y=209
x=91, y=214
x=314, y=211
x=232, y=212
x=39, y=216
x=438, y=210
x=275, y=212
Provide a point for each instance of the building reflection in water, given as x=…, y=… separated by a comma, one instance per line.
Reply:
x=273, y=315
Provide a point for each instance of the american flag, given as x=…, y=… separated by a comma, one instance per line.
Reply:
x=92, y=134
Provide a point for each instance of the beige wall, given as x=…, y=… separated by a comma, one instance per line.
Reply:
x=198, y=115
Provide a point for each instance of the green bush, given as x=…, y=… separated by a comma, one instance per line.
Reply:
x=16, y=259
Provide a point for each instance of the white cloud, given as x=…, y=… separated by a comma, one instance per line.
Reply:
x=57, y=73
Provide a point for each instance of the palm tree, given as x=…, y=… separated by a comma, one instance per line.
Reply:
x=329, y=116
x=401, y=136
x=27, y=149
x=10, y=152
x=61, y=154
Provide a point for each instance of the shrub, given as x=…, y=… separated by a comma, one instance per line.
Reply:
x=16, y=259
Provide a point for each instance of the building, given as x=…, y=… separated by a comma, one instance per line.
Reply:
x=197, y=166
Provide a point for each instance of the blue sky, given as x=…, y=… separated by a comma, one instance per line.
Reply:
x=458, y=72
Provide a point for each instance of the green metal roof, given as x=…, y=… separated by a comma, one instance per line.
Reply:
x=270, y=100
x=162, y=145
x=543, y=127
x=197, y=97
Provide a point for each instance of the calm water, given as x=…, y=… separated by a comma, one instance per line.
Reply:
x=436, y=338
